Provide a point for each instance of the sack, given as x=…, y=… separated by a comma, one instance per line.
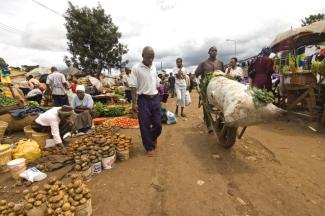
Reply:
x=188, y=100
x=236, y=102
x=27, y=149
x=171, y=118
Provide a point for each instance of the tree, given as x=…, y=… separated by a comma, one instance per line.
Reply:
x=93, y=40
x=312, y=18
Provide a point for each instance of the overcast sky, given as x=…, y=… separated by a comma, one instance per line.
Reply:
x=32, y=34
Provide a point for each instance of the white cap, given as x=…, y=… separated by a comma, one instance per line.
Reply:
x=80, y=88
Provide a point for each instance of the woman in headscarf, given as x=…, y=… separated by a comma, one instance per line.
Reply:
x=82, y=104
x=261, y=69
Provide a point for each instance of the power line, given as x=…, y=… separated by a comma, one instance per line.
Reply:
x=57, y=13
x=12, y=28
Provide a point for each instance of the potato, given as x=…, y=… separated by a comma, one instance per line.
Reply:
x=77, y=197
x=31, y=200
x=58, y=211
x=35, y=188
x=50, y=211
x=66, y=207
x=18, y=208
x=71, y=191
x=39, y=196
x=87, y=195
x=78, y=190
x=38, y=203
x=29, y=206
x=3, y=202
x=47, y=187
x=25, y=191
x=11, y=205
x=77, y=167
x=83, y=201
x=52, y=180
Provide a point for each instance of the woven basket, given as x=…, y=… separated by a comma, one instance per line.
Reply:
x=3, y=128
x=40, y=138
x=28, y=131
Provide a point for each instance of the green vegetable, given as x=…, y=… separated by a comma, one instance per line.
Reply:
x=7, y=101
x=261, y=97
x=109, y=111
x=205, y=81
x=318, y=67
x=33, y=104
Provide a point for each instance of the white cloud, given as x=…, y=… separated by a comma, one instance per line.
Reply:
x=175, y=28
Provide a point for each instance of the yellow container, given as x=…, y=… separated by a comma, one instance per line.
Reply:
x=5, y=157
x=40, y=138
x=28, y=131
x=3, y=128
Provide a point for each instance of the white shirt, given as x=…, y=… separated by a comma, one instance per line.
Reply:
x=51, y=118
x=144, y=79
x=179, y=82
x=55, y=80
x=87, y=101
x=237, y=72
x=33, y=93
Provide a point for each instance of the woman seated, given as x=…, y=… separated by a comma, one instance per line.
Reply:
x=82, y=104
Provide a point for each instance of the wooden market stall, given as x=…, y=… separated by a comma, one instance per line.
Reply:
x=300, y=86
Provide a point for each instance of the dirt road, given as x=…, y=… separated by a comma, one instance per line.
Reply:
x=276, y=169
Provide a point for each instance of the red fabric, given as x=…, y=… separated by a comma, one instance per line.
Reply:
x=322, y=51
x=73, y=87
x=264, y=69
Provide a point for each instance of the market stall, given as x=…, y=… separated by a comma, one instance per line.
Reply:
x=298, y=52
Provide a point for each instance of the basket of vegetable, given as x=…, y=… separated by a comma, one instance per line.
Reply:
x=109, y=111
x=7, y=101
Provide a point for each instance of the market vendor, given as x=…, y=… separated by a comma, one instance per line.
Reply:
x=82, y=104
x=209, y=66
x=4, y=71
x=234, y=70
x=35, y=95
x=56, y=120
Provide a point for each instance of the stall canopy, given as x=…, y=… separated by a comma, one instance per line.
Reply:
x=311, y=34
x=72, y=71
x=38, y=72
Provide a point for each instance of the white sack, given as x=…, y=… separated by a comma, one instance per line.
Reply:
x=236, y=103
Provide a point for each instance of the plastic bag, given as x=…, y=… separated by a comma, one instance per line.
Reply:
x=33, y=174
x=27, y=149
x=188, y=99
x=171, y=118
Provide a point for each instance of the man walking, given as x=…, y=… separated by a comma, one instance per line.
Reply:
x=145, y=100
x=171, y=85
x=209, y=66
x=57, y=84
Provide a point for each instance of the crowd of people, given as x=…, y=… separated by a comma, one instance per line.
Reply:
x=144, y=88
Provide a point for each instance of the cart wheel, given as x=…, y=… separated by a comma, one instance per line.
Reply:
x=228, y=138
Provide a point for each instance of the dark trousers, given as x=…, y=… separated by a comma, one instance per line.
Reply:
x=37, y=98
x=149, y=120
x=128, y=95
x=60, y=100
x=65, y=126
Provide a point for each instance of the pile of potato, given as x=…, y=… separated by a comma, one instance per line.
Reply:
x=34, y=198
x=11, y=209
x=78, y=192
x=57, y=198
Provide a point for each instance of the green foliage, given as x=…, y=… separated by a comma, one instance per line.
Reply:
x=93, y=40
x=312, y=18
x=261, y=97
x=109, y=111
x=7, y=101
x=205, y=81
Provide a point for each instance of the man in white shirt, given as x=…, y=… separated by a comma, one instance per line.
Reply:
x=57, y=84
x=144, y=83
x=180, y=85
x=235, y=71
x=55, y=120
